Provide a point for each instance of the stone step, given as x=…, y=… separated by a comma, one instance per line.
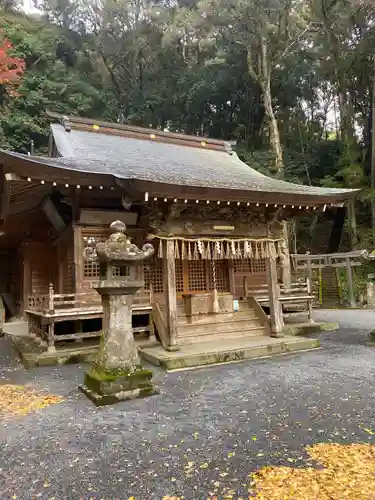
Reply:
x=227, y=326
x=222, y=336
x=234, y=350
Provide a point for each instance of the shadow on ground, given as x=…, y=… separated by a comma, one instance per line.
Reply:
x=205, y=433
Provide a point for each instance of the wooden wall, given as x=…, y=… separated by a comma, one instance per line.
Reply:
x=65, y=262
x=41, y=264
x=5, y=271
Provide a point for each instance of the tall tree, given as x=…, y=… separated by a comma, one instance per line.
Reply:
x=267, y=32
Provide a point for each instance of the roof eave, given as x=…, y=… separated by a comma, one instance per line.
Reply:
x=42, y=170
x=30, y=168
x=162, y=190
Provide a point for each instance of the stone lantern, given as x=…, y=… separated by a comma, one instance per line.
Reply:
x=117, y=374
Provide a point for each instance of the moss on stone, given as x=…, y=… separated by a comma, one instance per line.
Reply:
x=105, y=375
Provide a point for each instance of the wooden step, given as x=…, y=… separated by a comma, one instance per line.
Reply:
x=223, y=336
x=229, y=326
x=203, y=319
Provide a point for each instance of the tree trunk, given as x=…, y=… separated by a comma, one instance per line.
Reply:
x=263, y=77
x=345, y=111
x=274, y=132
x=265, y=83
x=373, y=154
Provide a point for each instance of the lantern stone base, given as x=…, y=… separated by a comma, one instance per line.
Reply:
x=105, y=387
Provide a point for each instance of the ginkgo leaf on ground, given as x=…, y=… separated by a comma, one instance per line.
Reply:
x=348, y=473
x=17, y=400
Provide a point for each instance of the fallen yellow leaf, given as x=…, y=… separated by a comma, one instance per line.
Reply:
x=369, y=431
x=348, y=473
x=16, y=400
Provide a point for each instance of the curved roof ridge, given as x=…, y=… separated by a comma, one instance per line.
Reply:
x=172, y=163
x=70, y=123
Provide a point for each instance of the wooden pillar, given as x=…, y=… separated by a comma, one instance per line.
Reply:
x=78, y=328
x=26, y=279
x=309, y=272
x=286, y=269
x=51, y=337
x=78, y=259
x=349, y=277
x=170, y=295
x=309, y=290
x=276, y=313
x=51, y=304
x=232, y=283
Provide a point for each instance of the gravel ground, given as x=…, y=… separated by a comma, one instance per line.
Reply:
x=206, y=431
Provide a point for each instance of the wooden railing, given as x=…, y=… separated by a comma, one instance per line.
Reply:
x=45, y=311
x=160, y=324
x=260, y=314
x=298, y=292
x=37, y=302
x=54, y=303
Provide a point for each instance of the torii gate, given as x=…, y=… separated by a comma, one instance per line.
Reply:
x=308, y=262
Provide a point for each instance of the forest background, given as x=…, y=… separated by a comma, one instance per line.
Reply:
x=290, y=82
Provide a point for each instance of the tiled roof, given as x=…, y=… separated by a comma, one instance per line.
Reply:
x=169, y=163
x=185, y=162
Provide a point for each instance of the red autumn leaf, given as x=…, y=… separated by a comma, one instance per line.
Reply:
x=11, y=68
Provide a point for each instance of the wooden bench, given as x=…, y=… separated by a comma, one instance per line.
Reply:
x=298, y=293
x=45, y=311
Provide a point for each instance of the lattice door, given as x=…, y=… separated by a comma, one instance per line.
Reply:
x=197, y=275
x=179, y=265
x=153, y=271
x=222, y=275
x=91, y=269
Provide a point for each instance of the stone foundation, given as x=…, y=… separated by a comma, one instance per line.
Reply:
x=106, y=387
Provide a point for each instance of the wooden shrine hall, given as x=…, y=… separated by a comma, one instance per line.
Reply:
x=216, y=223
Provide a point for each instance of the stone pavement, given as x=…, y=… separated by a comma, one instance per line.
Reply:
x=207, y=430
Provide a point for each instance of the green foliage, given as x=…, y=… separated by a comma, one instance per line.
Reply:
x=207, y=67
x=49, y=82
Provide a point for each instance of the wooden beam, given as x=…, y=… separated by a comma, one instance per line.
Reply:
x=52, y=214
x=9, y=176
x=5, y=198
x=320, y=256
x=106, y=217
x=323, y=266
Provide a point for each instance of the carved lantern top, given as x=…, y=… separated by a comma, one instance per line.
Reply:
x=118, y=249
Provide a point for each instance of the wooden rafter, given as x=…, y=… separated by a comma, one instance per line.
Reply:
x=5, y=194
